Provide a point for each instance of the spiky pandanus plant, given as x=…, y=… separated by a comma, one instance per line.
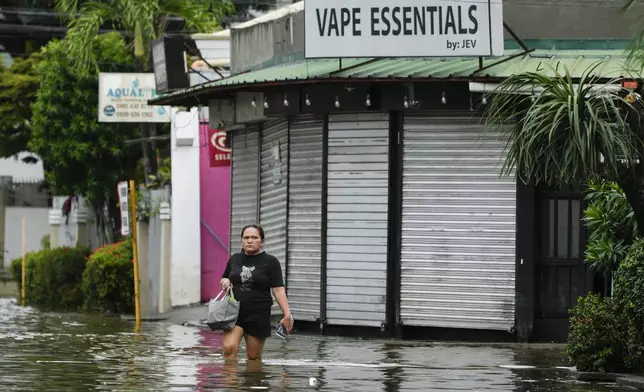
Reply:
x=560, y=130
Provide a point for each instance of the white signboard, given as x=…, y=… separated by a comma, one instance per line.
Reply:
x=123, y=193
x=403, y=28
x=123, y=97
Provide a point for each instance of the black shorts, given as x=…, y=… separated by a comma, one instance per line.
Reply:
x=255, y=322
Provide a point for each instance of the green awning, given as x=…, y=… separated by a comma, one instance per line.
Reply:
x=411, y=69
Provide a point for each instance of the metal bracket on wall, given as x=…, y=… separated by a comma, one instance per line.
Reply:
x=518, y=40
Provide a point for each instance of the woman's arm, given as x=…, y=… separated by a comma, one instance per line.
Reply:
x=279, y=292
x=280, y=296
x=282, y=301
x=225, y=281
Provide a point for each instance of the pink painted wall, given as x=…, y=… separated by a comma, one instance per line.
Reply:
x=215, y=212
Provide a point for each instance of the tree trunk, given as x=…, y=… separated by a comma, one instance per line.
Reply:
x=154, y=165
x=147, y=154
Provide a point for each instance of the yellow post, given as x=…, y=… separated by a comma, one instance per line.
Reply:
x=24, y=256
x=135, y=254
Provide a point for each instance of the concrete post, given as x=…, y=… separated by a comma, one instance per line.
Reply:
x=55, y=217
x=165, y=305
x=80, y=216
x=142, y=241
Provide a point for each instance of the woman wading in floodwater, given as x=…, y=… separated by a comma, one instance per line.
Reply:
x=253, y=273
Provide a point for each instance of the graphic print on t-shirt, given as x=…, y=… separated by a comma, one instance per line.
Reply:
x=247, y=276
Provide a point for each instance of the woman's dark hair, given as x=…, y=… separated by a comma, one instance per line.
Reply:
x=257, y=227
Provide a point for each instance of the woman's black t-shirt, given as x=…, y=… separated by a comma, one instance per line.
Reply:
x=252, y=277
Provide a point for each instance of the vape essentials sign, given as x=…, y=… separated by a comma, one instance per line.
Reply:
x=403, y=28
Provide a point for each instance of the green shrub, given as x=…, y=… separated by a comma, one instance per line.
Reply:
x=108, y=282
x=596, y=335
x=611, y=225
x=16, y=271
x=45, y=242
x=629, y=296
x=53, y=277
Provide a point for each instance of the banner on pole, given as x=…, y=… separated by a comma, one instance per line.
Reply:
x=124, y=207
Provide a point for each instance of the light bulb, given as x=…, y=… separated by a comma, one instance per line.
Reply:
x=265, y=103
x=337, y=102
x=368, y=101
x=443, y=99
x=406, y=103
x=307, y=101
x=285, y=101
x=484, y=100
x=253, y=103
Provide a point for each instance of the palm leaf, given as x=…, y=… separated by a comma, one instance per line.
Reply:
x=559, y=135
x=84, y=26
x=145, y=20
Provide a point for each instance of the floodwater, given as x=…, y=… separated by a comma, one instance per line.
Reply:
x=76, y=352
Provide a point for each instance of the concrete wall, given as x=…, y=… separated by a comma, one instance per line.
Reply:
x=569, y=19
x=37, y=228
x=78, y=229
x=215, y=219
x=185, y=269
x=256, y=44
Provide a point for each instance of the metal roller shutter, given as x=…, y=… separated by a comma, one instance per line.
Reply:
x=273, y=190
x=244, y=183
x=458, y=227
x=305, y=216
x=358, y=177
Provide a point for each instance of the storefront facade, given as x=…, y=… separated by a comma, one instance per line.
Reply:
x=380, y=190
x=381, y=218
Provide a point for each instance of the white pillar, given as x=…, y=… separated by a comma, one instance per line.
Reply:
x=185, y=267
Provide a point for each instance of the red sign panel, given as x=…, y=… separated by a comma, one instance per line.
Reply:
x=219, y=153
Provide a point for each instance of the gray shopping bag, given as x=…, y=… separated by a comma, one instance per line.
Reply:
x=223, y=312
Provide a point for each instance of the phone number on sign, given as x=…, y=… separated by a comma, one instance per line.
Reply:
x=135, y=114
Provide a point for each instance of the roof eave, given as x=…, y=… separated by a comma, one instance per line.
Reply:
x=218, y=92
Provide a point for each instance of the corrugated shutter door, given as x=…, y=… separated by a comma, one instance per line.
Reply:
x=305, y=217
x=244, y=183
x=273, y=191
x=358, y=170
x=458, y=228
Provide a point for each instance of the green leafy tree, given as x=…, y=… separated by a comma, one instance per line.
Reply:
x=145, y=20
x=81, y=156
x=18, y=86
x=571, y=131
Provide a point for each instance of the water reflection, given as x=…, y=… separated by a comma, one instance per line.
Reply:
x=66, y=352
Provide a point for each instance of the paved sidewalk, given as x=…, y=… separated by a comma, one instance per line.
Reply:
x=191, y=315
